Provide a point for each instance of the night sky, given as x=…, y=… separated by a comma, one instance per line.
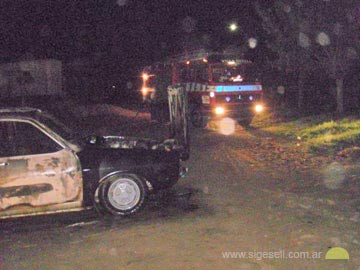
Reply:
x=124, y=32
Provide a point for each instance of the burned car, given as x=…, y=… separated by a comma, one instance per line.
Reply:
x=47, y=168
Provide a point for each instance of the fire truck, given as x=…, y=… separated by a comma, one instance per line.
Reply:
x=218, y=85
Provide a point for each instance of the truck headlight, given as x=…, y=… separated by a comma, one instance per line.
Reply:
x=219, y=110
x=144, y=91
x=259, y=108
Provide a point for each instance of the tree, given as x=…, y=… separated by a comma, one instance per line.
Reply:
x=337, y=45
x=312, y=36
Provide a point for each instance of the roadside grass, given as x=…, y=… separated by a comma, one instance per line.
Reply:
x=269, y=118
x=321, y=132
x=333, y=134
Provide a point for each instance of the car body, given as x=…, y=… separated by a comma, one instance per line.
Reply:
x=46, y=168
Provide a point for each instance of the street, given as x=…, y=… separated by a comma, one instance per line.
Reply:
x=251, y=193
x=192, y=135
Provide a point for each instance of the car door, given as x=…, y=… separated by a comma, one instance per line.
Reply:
x=37, y=173
x=179, y=129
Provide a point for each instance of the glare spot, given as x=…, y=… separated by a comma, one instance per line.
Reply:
x=280, y=90
x=121, y=3
x=351, y=53
x=129, y=85
x=227, y=126
x=233, y=27
x=323, y=39
x=337, y=28
x=287, y=8
x=304, y=40
x=252, y=42
x=334, y=175
x=188, y=24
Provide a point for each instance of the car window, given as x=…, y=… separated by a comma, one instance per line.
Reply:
x=25, y=139
x=57, y=126
x=5, y=147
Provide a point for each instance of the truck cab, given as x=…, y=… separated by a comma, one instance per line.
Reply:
x=218, y=85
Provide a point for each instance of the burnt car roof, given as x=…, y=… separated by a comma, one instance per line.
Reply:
x=22, y=112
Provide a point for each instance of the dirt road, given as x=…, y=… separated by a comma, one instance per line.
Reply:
x=252, y=193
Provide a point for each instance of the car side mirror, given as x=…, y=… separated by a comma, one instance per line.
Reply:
x=92, y=139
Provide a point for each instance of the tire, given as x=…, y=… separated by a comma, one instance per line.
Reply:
x=122, y=194
x=197, y=119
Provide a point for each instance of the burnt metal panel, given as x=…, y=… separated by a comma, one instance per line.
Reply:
x=40, y=180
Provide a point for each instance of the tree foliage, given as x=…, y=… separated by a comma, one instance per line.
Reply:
x=313, y=36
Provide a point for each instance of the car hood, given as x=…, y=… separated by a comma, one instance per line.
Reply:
x=122, y=142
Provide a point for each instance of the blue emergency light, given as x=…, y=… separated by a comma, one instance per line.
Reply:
x=237, y=88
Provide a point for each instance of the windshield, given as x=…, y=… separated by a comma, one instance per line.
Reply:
x=58, y=127
x=235, y=74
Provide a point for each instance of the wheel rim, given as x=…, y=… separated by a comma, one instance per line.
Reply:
x=124, y=194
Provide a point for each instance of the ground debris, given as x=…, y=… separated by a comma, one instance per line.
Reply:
x=80, y=224
x=350, y=152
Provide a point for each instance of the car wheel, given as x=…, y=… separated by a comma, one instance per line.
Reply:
x=122, y=194
x=197, y=119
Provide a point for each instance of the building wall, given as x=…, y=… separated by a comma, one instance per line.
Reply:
x=31, y=78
